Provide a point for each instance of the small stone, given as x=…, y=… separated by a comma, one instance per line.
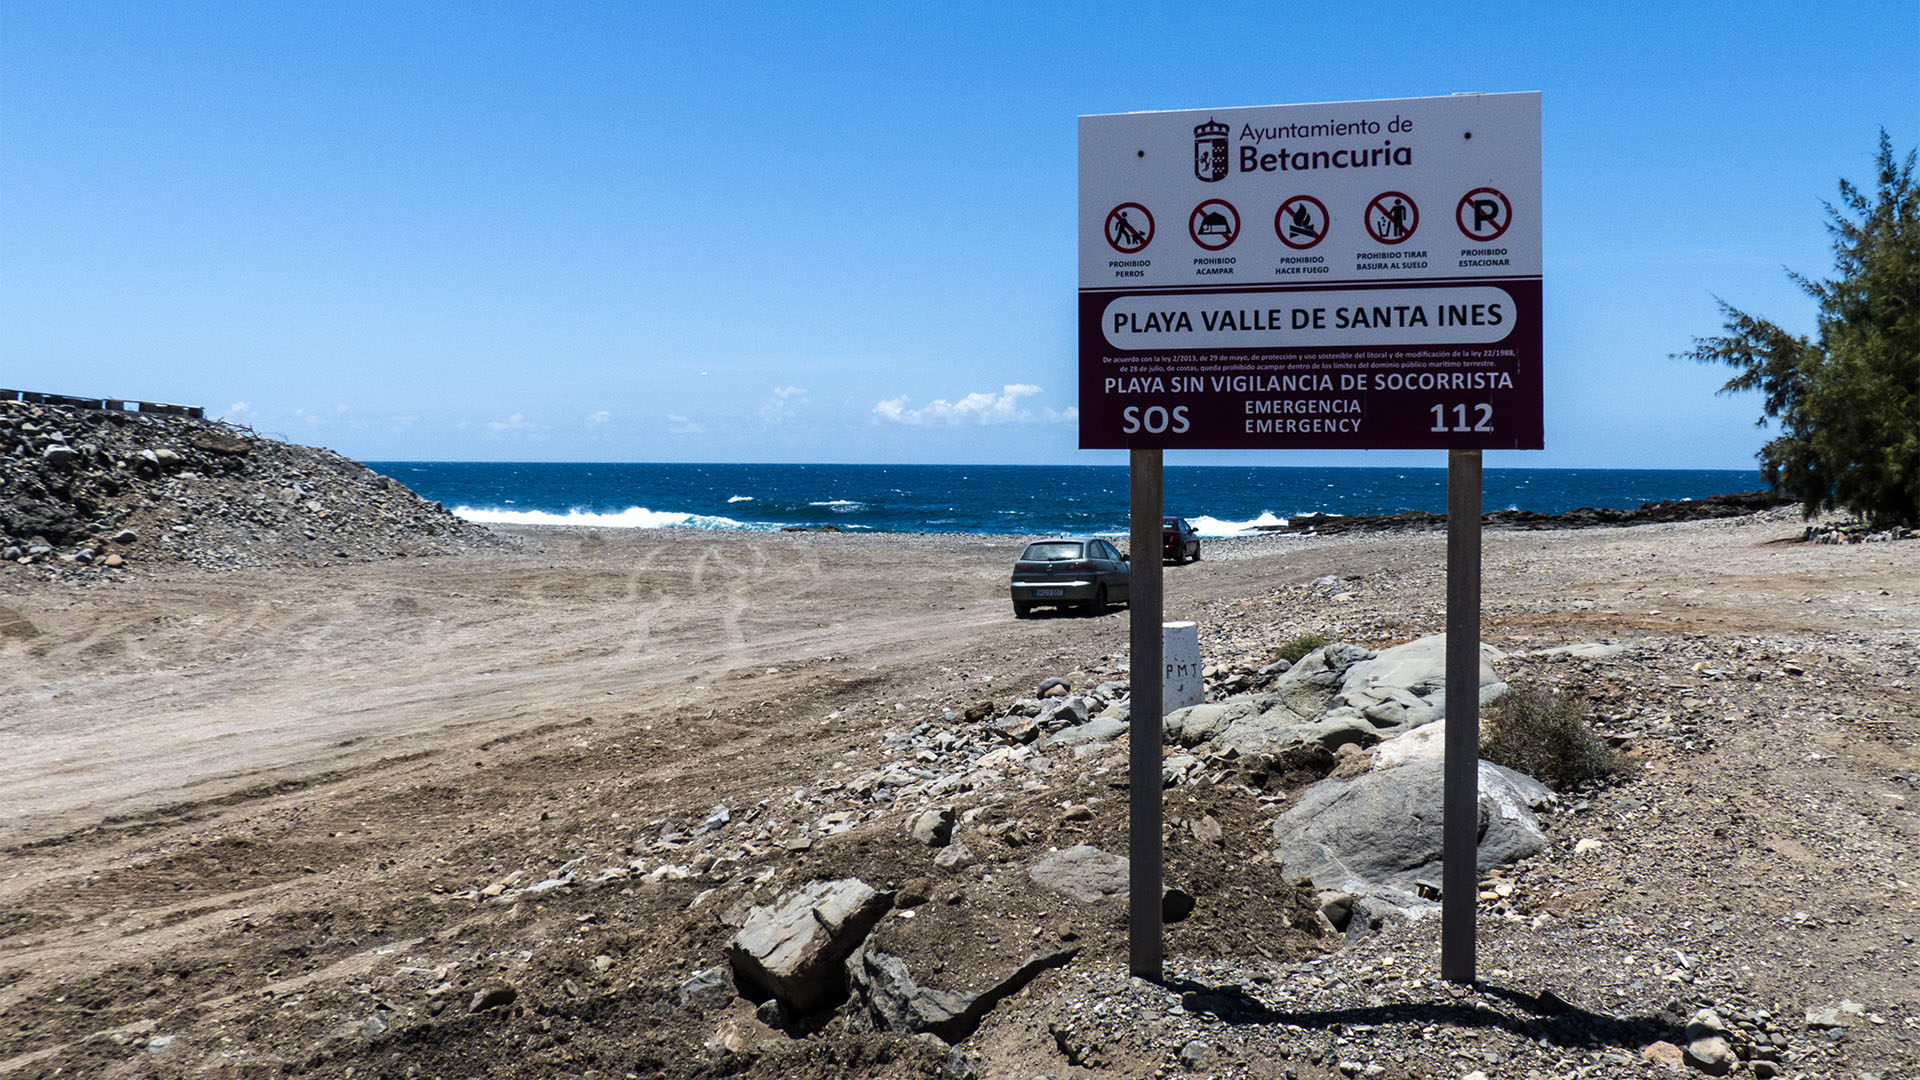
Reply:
x=954, y=857
x=1711, y=1055
x=114, y=561
x=1192, y=1054
x=933, y=827
x=496, y=996
x=913, y=892
x=716, y=819
x=1053, y=688
x=1663, y=1053
x=709, y=988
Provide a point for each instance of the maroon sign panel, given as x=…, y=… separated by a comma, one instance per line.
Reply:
x=1359, y=275
x=1440, y=394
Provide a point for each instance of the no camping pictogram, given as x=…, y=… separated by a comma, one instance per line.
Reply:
x=1301, y=222
x=1483, y=214
x=1214, y=224
x=1129, y=228
x=1392, y=217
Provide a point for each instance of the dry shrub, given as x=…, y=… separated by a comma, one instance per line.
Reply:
x=1547, y=737
x=1293, y=650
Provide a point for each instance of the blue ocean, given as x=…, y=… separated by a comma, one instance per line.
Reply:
x=999, y=499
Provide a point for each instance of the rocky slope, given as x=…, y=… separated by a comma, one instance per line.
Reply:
x=88, y=491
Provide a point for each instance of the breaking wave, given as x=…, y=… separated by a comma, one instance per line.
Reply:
x=633, y=517
x=1214, y=527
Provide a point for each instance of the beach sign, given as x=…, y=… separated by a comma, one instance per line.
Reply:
x=1352, y=275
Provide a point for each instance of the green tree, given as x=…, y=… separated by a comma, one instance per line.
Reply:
x=1848, y=401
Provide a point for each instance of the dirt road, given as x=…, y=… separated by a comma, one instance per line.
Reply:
x=222, y=794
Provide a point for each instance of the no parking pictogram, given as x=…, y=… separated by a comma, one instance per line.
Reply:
x=1483, y=214
x=1214, y=224
x=1392, y=217
x=1129, y=228
x=1301, y=222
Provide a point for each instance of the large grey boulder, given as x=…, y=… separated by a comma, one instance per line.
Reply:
x=796, y=950
x=1083, y=872
x=1337, y=695
x=1380, y=833
x=1092, y=876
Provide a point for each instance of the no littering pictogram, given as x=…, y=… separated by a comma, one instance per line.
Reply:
x=1391, y=217
x=1214, y=224
x=1483, y=214
x=1301, y=222
x=1129, y=228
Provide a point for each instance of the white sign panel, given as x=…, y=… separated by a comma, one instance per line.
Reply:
x=1389, y=249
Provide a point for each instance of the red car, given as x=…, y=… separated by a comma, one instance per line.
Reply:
x=1179, y=541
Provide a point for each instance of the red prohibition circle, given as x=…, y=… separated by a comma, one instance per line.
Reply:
x=1289, y=230
x=1506, y=216
x=1118, y=214
x=1198, y=220
x=1407, y=227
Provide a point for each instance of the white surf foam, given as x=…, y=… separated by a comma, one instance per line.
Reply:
x=634, y=517
x=1214, y=527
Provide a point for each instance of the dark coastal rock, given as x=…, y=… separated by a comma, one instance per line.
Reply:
x=174, y=488
x=1738, y=504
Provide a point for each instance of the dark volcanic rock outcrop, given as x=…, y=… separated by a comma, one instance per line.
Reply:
x=86, y=489
x=1738, y=504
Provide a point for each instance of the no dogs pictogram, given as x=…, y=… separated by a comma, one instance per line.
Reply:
x=1483, y=214
x=1214, y=224
x=1392, y=217
x=1301, y=222
x=1129, y=228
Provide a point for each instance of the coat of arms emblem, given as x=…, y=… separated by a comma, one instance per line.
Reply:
x=1210, y=150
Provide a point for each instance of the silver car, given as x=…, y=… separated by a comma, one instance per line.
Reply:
x=1070, y=571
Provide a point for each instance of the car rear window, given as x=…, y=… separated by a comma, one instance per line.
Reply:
x=1059, y=549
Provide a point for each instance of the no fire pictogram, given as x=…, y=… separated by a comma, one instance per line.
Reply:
x=1214, y=224
x=1301, y=222
x=1129, y=228
x=1392, y=217
x=1483, y=214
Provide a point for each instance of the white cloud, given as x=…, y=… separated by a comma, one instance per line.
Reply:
x=680, y=425
x=239, y=408
x=1006, y=407
x=781, y=407
x=516, y=422
x=600, y=417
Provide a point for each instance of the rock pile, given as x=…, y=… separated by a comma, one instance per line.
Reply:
x=85, y=492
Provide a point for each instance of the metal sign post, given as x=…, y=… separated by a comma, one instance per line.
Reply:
x=1144, y=674
x=1460, y=789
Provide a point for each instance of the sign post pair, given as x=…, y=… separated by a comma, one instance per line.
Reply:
x=1353, y=275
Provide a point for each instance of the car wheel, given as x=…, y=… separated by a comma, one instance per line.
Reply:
x=1196, y=551
x=1098, y=605
x=1020, y=610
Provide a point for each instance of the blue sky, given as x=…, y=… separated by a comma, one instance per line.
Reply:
x=644, y=232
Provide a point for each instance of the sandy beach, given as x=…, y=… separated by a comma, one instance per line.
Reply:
x=246, y=812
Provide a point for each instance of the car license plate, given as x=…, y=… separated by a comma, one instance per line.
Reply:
x=1049, y=592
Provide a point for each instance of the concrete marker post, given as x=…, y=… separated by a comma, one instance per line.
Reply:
x=1145, y=949
x=1460, y=798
